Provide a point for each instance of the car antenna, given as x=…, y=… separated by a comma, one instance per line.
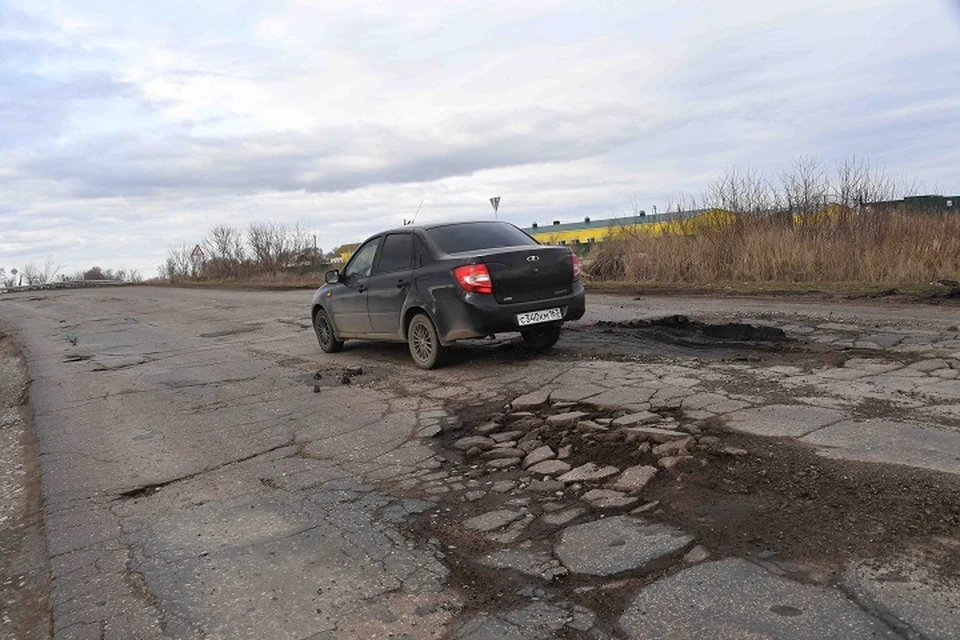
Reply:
x=417, y=212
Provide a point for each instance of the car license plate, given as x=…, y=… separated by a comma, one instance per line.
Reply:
x=536, y=317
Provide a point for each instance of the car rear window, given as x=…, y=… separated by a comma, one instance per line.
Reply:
x=475, y=236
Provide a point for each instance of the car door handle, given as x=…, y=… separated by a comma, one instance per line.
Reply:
x=402, y=283
x=361, y=288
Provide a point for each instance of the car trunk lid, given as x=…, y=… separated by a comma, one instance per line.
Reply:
x=527, y=274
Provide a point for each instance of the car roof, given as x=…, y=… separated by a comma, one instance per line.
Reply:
x=436, y=225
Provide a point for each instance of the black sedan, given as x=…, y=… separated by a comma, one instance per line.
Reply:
x=432, y=285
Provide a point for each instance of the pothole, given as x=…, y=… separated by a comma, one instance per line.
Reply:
x=515, y=483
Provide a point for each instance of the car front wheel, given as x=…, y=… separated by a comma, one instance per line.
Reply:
x=424, y=343
x=541, y=337
x=325, y=336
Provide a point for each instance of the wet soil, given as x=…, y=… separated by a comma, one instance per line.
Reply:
x=781, y=502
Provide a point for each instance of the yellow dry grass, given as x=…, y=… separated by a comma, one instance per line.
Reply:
x=834, y=247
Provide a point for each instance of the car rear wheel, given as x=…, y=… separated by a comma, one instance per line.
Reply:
x=424, y=343
x=325, y=336
x=541, y=337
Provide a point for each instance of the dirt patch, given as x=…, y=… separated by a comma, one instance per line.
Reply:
x=233, y=332
x=679, y=336
x=782, y=502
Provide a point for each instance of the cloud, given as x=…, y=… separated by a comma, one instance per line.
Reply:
x=131, y=127
x=335, y=159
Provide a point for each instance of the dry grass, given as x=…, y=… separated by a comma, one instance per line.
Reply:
x=282, y=280
x=842, y=248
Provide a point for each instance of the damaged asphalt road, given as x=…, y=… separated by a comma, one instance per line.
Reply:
x=676, y=467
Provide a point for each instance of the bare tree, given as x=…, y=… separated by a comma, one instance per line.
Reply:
x=178, y=265
x=31, y=273
x=225, y=252
x=742, y=191
x=269, y=243
x=50, y=270
x=806, y=187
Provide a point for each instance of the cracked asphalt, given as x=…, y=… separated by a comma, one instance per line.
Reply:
x=676, y=467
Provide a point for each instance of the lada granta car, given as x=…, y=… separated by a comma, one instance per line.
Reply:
x=432, y=285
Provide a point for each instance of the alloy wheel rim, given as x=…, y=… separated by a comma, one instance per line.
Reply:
x=323, y=329
x=422, y=345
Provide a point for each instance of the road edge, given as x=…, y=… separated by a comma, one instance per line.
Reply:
x=24, y=571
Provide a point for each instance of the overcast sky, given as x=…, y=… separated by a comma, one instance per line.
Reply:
x=127, y=128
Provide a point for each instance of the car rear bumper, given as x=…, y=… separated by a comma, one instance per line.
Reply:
x=475, y=315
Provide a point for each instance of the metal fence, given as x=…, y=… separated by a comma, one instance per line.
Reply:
x=69, y=284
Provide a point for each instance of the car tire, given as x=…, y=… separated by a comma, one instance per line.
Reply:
x=325, y=335
x=424, y=343
x=541, y=337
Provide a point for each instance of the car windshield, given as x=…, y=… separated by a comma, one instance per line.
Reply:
x=474, y=236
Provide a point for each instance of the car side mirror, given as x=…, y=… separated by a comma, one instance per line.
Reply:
x=332, y=277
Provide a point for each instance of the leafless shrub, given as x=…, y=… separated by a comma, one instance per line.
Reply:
x=31, y=274
x=269, y=243
x=742, y=191
x=179, y=265
x=225, y=253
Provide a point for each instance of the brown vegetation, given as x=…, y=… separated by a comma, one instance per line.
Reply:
x=269, y=254
x=840, y=246
x=805, y=225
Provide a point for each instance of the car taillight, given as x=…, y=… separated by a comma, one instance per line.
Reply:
x=576, y=266
x=474, y=278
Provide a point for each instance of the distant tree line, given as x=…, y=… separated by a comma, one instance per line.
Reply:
x=227, y=253
x=32, y=274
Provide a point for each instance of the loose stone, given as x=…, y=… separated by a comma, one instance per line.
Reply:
x=503, y=463
x=546, y=486
x=550, y=468
x=734, y=451
x=659, y=436
x=697, y=554
x=634, y=479
x=588, y=472
x=590, y=425
x=634, y=419
x=487, y=428
x=670, y=462
x=646, y=508
x=560, y=518
x=673, y=448
x=607, y=499
x=565, y=419
x=480, y=442
x=495, y=454
x=538, y=455
x=530, y=445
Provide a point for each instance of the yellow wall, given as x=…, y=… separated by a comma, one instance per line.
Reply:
x=687, y=226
